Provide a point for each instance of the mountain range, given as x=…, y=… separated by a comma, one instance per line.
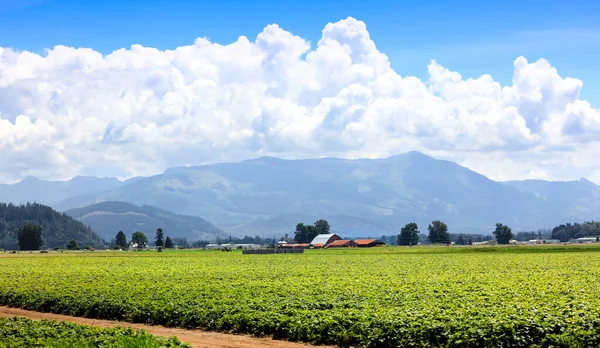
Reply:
x=269, y=196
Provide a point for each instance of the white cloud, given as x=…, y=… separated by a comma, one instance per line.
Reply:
x=137, y=111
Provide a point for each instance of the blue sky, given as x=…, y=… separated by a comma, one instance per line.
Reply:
x=471, y=37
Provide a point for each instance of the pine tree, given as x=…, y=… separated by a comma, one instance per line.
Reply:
x=121, y=240
x=159, y=240
x=168, y=243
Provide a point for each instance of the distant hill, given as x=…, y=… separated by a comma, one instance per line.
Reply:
x=107, y=218
x=50, y=192
x=57, y=229
x=268, y=196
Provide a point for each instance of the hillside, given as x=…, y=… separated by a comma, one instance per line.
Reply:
x=58, y=229
x=107, y=218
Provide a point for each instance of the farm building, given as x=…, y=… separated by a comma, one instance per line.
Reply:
x=487, y=242
x=368, y=243
x=585, y=240
x=322, y=240
x=342, y=243
x=544, y=241
x=294, y=245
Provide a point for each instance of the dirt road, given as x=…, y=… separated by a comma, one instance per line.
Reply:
x=196, y=338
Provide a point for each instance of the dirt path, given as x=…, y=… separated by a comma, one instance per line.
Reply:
x=196, y=338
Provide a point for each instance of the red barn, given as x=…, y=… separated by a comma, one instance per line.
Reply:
x=342, y=243
x=368, y=243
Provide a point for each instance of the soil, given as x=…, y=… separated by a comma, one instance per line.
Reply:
x=196, y=338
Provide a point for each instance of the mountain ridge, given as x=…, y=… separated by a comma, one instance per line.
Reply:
x=268, y=195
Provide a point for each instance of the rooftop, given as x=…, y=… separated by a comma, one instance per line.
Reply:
x=340, y=242
x=323, y=238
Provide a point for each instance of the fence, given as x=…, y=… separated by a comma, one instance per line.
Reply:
x=272, y=251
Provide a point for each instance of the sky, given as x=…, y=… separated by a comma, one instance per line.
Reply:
x=510, y=89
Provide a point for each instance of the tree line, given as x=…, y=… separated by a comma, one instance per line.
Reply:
x=140, y=240
x=576, y=230
x=438, y=234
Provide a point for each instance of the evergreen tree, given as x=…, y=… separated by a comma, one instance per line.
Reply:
x=159, y=240
x=461, y=240
x=168, y=243
x=121, y=240
x=30, y=237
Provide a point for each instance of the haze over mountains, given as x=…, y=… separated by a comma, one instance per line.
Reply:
x=268, y=196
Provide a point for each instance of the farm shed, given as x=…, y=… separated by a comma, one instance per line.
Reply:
x=342, y=243
x=368, y=243
x=295, y=246
x=324, y=239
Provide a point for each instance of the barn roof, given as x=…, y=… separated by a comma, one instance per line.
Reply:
x=340, y=242
x=323, y=238
x=366, y=241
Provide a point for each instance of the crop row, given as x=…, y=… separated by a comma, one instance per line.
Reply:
x=380, y=298
x=21, y=332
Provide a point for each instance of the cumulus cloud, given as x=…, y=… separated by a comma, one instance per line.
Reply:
x=140, y=110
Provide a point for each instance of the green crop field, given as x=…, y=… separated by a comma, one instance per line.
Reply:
x=383, y=297
x=21, y=332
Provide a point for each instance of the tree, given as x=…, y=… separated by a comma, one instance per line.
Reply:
x=461, y=240
x=409, y=234
x=140, y=239
x=169, y=243
x=503, y=234
x=159, y=240
x=30, y=237
x=121, y=240
x=300, y=235
x=73, y=245
x=322, y=226
x=311, y=233
x=438, y=232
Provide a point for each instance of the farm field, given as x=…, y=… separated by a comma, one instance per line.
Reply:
x=21, y=332
x=383, y=297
